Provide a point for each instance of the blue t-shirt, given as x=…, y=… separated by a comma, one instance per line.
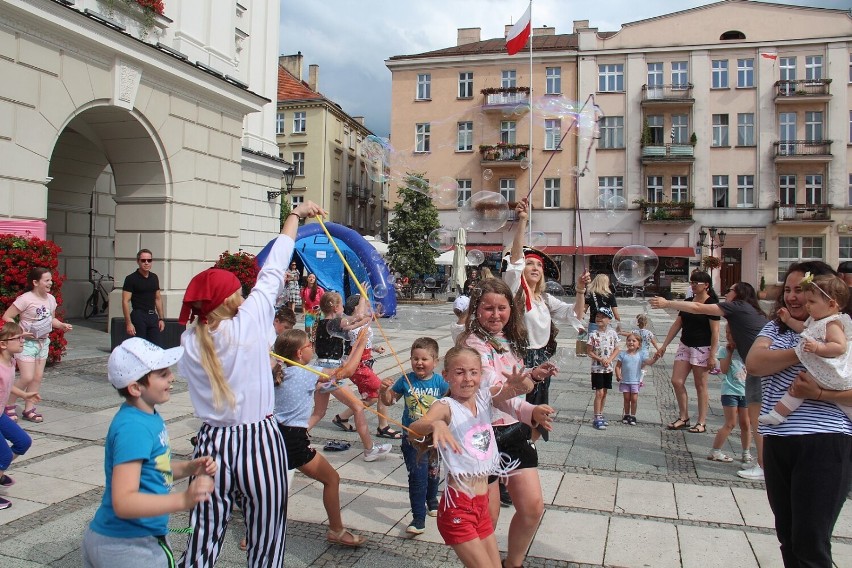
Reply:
x=631, y=366
x=421, y=393
x=294, y=397
x=135, y=435
x=733, y=382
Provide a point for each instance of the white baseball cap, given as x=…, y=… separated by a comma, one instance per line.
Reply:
x=135, y=358
x=462, y=303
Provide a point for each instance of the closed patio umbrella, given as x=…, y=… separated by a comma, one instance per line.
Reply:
x=460, y=259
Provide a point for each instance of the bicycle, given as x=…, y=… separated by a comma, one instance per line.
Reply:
x=98, y=293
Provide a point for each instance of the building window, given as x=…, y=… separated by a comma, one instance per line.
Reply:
x=745, y=73
x=296, y=200
x=720, y=191
x=612, y=132
x=610, y=189
x=466, y=85
x=551, y=192
x=507, y=189
x=719, y=76
x=680, y=189
x=552, y=133
x=422, y=137
x=465, y=137
x=680, y=75
x=813, y=67
x=813, y=126
x=720, y=130
x=813, y=189
x=787, y=189
x=796, y=249
x=655, y=126
x=745, y=129
x=508, y=79
x=424, y=86
x=680, y=129
x=507, y=131
x=655, y=75
x=300, y=121
x=850, y=126
x=845, y=252
x=849, y=190
x=611, y=78
x=745, y=191
x=279, y=123
x=787, y=68
x=553, y=81
x=465, y=190
x=654, y=189
x=787, y=132
x=299, y=163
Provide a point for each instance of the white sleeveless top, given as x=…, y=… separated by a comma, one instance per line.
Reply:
x=475, y=435
x=832, y=373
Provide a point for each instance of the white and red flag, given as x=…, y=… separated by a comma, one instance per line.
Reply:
x=520, y=32
x=772, y=56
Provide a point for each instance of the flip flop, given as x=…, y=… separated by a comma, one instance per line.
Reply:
x=387, y=432
x=342, y=424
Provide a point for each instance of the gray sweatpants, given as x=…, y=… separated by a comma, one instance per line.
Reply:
x=101, y=551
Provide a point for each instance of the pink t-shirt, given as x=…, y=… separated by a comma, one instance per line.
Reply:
x=36, y=313
x=7, y=379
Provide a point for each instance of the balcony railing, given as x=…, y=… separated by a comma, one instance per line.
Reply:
x=802, y=212
x=503, y=98
x=667, y=93
x=352, y=189
x=802, y=88
x=668, y=152
x=663, y=211
x=364, y=193
x=803, y=148
x=504, y=152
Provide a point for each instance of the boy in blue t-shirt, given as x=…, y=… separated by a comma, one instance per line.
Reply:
x=129, y=528
x=419, y=389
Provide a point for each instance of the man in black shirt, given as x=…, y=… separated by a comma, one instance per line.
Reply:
x=141, y=290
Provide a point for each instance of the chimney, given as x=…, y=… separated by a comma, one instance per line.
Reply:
x=580, y=25
x=313, y=77
x=468, y=35
x=359, y=120
x=292, y=63
x=506, y=29
x=544, y=31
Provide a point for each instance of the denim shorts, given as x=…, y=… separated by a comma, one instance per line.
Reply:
x=34, y=350
x=733, y=400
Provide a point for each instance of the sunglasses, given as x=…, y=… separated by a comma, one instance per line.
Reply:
x=146, y=260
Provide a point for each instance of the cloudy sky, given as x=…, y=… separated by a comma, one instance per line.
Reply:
x=351, y=39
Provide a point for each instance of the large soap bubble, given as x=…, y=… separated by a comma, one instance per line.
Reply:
x=441, y=239
x=554, y=288
x=445, y=192
x=487, y=174
x=634, y=264
x=485, y=211
x=475, y=257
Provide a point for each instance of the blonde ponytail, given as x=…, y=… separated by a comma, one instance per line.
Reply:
x=210, y=362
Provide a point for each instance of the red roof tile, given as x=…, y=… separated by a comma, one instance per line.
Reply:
x=291, y=89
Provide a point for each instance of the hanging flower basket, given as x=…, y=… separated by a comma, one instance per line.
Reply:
x=711, y=262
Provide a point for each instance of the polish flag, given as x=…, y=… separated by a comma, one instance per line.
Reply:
x=519, y=33
x=772, y=56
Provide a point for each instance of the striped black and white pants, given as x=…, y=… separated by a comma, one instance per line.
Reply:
x=253, y=468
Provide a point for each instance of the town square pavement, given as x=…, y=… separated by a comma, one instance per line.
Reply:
x=630, y=496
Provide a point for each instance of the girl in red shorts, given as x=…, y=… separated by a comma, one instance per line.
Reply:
x=461, y=431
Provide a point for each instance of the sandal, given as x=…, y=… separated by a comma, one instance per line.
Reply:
x=32, y=416
x=338, y=538
x=386, y=432
x=679, y=424
x=342, y=424
x=720, y=457
x=699, y=428
x=336, y=446
x=12, y=412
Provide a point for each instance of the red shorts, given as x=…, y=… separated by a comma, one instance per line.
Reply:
x=367, y=381
x=466, y=521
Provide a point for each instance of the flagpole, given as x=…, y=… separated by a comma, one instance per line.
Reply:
x=530, y=156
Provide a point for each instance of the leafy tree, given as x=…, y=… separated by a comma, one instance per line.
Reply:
x=415, y=216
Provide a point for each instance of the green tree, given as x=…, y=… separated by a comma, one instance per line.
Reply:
x=415, y=216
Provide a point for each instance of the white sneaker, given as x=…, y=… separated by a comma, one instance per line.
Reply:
x=753, y=473
x=377, y=451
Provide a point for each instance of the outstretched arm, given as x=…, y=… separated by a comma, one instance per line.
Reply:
x=521, y=210
x=686, y=306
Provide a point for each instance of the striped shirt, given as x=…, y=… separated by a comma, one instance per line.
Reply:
x=814, y=416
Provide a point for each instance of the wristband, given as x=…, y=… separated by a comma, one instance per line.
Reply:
x=820, y=394
x=297, y=215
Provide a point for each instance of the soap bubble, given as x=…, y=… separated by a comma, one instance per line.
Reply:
x=537, y=239
x=380, y=290
x=617, y=202
x=392, y=324
x=370, y=201
x=634, y=264
x=429, y=282
x=554, y=288
x=445, y=192
x=604, y=199
x=378, y=223
x=378, y=309
x=475, y=257
x=525, y=163
x=485, y=211
x=336, y=327
x=441, y=239
x=487, y=174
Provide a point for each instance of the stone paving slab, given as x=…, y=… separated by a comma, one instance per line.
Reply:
x=640, y=543
x=575, y=537
x=646, y=498
x=587, y=492
x=707, y=503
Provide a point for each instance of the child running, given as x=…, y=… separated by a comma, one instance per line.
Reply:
x=733, y=374
x=419, y=389
x=603, y=349
x=15, y=441
x=629, y=373
x=130, y=527
x=646, y=336
x=826, y=345
x=462, y=433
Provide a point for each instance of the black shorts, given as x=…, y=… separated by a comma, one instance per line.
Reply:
x=297, y=443
x=517, y=448
x=602, y=381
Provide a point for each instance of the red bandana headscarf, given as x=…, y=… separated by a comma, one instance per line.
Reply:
x=210, y=288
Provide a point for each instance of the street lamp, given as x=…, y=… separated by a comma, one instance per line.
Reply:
x=717, y=239
x=289, y=179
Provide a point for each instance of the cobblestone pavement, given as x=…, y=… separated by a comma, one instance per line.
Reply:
x=629, y=496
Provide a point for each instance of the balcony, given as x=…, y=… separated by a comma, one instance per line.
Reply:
x=667, y=95
x=364, y=193
x=804, y=212
x=671, y=153
x=802, y=91
x=352, y=189
x=503, y=155
x=803, y=150
x=665, y=211
x=512, y=100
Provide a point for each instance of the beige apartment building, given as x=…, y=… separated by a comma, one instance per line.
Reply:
x=324, y=145
x=729, y=123
x=121, y=130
